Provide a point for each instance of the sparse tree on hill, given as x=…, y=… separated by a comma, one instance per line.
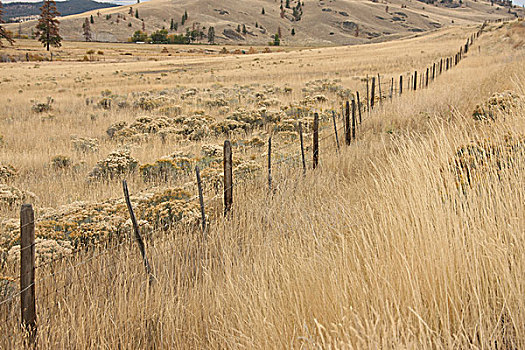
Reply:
x=137, y=14
x=92, y=20
x=279, y=32
x=238, y=28
x=4, y=34
x=86, y=28
x=172, y=24
x=211, y=35
x=287, y=4
x=47, y=27
x=276, y=40
x=293, y=31
x=130, y=11
x=263, y=12
x=244, y=31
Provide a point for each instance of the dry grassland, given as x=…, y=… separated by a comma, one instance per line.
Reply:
x=400, y=240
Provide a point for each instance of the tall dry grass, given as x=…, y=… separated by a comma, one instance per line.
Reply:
x=378, y=248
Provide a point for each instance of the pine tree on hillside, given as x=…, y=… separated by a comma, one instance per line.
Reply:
x=86, y=28
x=92, y=20
x=211, y=35
x=4, y=34
x=47, y=27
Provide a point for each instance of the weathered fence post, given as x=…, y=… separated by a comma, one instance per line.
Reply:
x=228, y=177
x=400, y=85
x=415, y=80
x=379, y=87
x=372, y=93
x=367, y=96
x=138, y=237
x=391, y=88
x=359, y=107
x=270, y=164
x=354, y=118
x=302, y=147
x=348, y=136
x=316, y=141
x=426, y=79
x=335, y=131
x=201, y=200
x=27, y=271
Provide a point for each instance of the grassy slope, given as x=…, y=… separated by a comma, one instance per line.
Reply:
x=375, y=24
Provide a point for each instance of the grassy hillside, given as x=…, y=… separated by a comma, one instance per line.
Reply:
x=322, y=23
x=411, y=237
x=70, y=7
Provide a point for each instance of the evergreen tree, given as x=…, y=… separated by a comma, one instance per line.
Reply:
x=293, y=31
x=86, y=28
x=172, y=24
x=238, y=28
x=276, y=40
x=92, y=20
x=211, y=35
x=4, y=34
x=262, y=12
x=287, y=4
x=244, y=31
x=47, y=27
x=136, y=13
x=131, y=11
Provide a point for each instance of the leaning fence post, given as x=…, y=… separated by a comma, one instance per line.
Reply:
x=359, y=107
x=27, y=271
x=270, y=164
x=138, y=237
x=335, y=130
x=302, y=147
x=201, y=200
x=316, y=141
x=228, y=177
x=348, y=136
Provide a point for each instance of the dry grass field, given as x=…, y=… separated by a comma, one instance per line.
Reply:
x=411, y=237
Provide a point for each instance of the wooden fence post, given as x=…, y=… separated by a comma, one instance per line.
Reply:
x=415, y=80
x=270, y=164
x=316, y=141
x=348, y=136
x=359, y=107
x=354, y=119
x=201, y=200
x=335, y=131
x=27, y=271
x=138, y=237
x=372, y=93
x=400, y=85
x=391, y=88
x=379, y=87
x=302, y=147
x=426, y=79
x=367, y=96
x=228, y=177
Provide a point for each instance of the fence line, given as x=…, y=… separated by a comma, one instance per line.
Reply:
x=351, y=128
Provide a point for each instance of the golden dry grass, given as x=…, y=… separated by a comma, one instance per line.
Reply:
x=378, y=248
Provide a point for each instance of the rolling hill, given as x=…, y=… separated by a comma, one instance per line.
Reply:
x=24, y=9
x=318, y=23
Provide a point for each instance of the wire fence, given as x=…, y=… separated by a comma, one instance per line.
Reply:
x=281, y=163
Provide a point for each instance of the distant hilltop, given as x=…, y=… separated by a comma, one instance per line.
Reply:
x=24, y=11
